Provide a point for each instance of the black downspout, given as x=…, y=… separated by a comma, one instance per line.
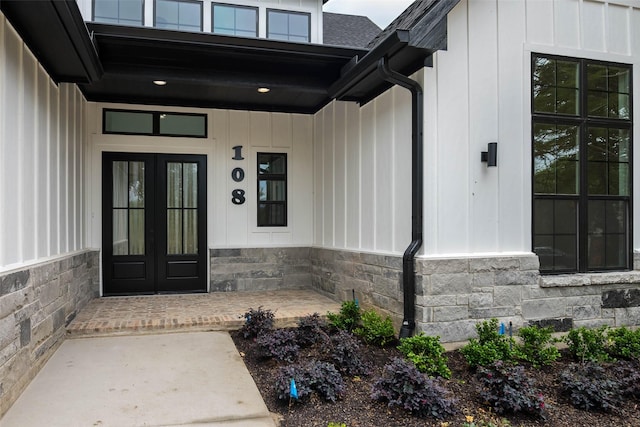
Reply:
x=417, y=127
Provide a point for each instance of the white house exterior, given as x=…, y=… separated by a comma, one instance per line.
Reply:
x=317, y=190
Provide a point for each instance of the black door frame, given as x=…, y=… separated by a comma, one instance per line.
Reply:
x=155, y=272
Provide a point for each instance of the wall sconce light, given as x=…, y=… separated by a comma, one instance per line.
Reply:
x=490, y=156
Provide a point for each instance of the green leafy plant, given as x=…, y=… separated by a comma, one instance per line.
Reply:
x=403, y=385
x=489, y=347
x=588, y=344
x=426, y=353
x=280, y=344
x=345, y=353
x=348, y=318
x=590, y=388
x=537, y=346
x=311, y=329
x=509, y=390
x=257, y=322
x=332, y=424
x=374, y=329
x=624, y=343
x=317, y=377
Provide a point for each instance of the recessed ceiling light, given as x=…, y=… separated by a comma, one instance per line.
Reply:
x=264, y=90
x=159, y=82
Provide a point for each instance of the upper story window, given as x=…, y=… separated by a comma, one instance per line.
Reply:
x=582, y=150
x=234, y=20
x=126, y=12
x=179, y=15
x=290, y=26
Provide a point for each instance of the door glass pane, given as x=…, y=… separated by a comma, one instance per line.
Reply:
x=190, y=189
x=174, y=231
x=190, y=231
x=174, y=185
x=136, y=184
x=120, y=184
x=120, y=232
x=136, y=232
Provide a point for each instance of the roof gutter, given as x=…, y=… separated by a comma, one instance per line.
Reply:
x=417, y=173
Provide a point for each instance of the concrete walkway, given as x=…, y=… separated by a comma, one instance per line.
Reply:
x=194, y=378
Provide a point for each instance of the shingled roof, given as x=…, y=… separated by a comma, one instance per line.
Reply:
x=348, y=30
x=406, y=20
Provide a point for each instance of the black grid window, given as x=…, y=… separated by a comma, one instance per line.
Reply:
x=582, y=170
x=234, y=20
x=272, y=190
x=288, y=26
x=126, y=12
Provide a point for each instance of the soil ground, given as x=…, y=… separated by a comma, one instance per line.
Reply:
x=357, y=409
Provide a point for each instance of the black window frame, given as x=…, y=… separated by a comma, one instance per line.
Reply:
x=93, y=13
x=272, y=177
x=155, y=123
x=290, y=12
x=583, y=121
x=235, y=6
x=198, y=2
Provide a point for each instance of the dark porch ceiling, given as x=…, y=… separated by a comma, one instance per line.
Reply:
x=113, y=63
x=206, y=70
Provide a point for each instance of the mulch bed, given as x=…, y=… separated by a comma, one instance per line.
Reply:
x=357, y=409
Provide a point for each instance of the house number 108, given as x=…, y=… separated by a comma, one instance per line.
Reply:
x=237, y=174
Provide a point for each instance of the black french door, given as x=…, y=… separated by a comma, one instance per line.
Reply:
x=154, y=223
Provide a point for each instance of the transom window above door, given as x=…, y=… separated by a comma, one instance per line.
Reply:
x=582, y=170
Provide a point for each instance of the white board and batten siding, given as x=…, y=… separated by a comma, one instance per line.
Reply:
x=42, y=185
x=362, y=161
x=479, y=91
x=228, y=225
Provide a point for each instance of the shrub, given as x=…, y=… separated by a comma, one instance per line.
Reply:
x=311, y=329
x=257, y=322
x=348, y=317
x=537, y=346
x=426, y=353
x=403, y=385
x=624, y=343
x=375, y=330
x=508, y=389
x=283, y=382
x=589, y=387
x=332, y=424
x=588, y=344
x=319, y=377
x=346, y=354
x=628, y=374
x=489, y=347
x=280, y=343
x=325, y=380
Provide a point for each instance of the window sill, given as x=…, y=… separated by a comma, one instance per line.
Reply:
x=589, y=279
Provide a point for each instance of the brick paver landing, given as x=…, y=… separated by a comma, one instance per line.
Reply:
x=197, y=312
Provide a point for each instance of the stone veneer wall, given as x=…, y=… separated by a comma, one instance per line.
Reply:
x=256, y=269
x=452, y=295
x=376, y=279
x=36, y=304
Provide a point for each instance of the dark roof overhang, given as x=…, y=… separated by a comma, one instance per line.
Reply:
x=57, y=35
x=406, y=51
x=207, y=70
